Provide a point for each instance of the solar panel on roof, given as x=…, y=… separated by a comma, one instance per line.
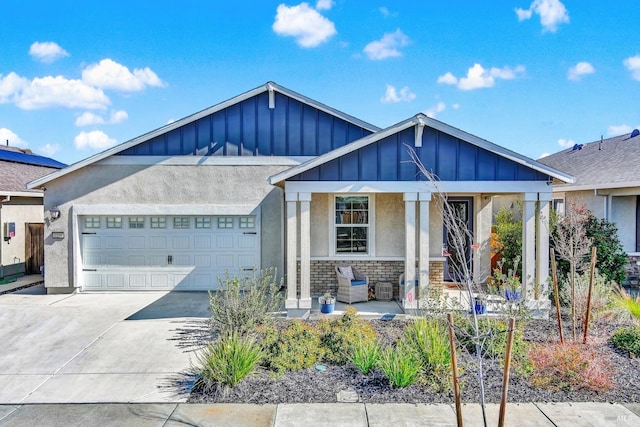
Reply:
x=30, y=159
x=635, y=133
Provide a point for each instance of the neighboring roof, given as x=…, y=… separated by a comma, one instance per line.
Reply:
x=18, y=155
x=420, y=119
x=19, y=166
x=608, y=163
x=267, y=87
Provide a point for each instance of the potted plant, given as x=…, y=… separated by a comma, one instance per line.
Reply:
x=327, y=303
x=513, y=288
x=480, y=304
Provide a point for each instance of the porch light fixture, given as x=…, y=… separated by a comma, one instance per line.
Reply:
x=55, y=213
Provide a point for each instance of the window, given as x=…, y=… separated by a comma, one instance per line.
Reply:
x=136, y=222
x=92, y=222
x=158, y=222
x=114, y=222
x=247, y=222
x=225, y=222
x=181, y=222
x=203, y=222
x=352, y=224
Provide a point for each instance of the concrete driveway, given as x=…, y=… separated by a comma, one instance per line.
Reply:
x=106, y=347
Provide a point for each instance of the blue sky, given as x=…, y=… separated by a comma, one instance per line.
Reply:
x=534, y=76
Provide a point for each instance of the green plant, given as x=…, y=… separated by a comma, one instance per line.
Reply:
x=227, y=361
x=292, y=348
x=627, y=340
x=243, y=303
x=429, y=341
x=339, y=335
x=626, y=303
x=569, y=366
x=508, y=238
x=365, y=355
x=400, y=365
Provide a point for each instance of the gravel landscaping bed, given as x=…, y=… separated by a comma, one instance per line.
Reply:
x=347, y=384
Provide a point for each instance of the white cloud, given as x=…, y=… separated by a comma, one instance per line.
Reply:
x=10, y=86
x=551, y=12
x=455, y=106
x=615, y=130
x=324, y=4
x=118, y=116
x=108, y=74
x=566, y=142
x=304, y=23
x=14, y=140
x=438, y=108
x=580, y=69
x=94, y=140
x=392, y=95
x=49, y=149
x=478, y=77
x=632, y=63
x=387, y=46
x=58, y=91
x=87, y=118
x=384, y=10
x=543, y=155
x=47, y=51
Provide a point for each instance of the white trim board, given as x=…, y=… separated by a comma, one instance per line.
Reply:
x=166, y=210
x=471, y=187
x=205, y=160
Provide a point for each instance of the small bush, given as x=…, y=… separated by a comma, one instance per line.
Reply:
x=365, y=355
x=627, y=340
x=600, y=295
x=339, y=335
x=227, y=361
x=627, y=306
x=295, y=347
x=508, y=238
x=429, y=340
x=400, y=365
x=243, y=303
x=569, y=366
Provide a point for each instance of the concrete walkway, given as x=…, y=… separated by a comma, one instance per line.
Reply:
x=22, y=282
x=318, y=415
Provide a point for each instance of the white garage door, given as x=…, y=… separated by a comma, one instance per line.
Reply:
x=166, y=252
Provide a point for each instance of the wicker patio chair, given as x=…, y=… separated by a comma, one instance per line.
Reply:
x=354, y=289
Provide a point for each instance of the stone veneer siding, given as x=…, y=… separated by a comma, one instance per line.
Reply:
x=323, y=274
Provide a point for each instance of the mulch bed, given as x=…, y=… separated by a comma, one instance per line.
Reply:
x=313, y=386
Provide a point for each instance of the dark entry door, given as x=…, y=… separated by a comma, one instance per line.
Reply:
x=462, y=208
x=34, y=247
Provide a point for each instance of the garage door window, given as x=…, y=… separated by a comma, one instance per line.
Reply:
x=247, y=222
x=181, y=222
x=92, y=222
x=158, y=222
x=136, y=222
x=225, y=222
x=203, y=222
x=114, y=222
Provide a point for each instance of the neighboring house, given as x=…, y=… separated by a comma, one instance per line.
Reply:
x=607, y=183
x=21, y=211
x=271, y=178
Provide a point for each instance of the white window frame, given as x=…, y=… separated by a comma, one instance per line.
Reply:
x=114, y=222
x=247, y=222
x=203, y=222
x=225, y=222
x=92, y=222
x=158, y=222
x=137, y=220
x=371, y=237
x=179, y=223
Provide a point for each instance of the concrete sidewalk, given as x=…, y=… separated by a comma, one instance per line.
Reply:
x=319, y=415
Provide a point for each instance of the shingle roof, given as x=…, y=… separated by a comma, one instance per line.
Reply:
x=612, y=163
x=16, y=172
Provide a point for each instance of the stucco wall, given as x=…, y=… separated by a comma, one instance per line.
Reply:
x=595, y=204
x=146, y=186
x=623, y=215
x=21, y=211
x=389, y=225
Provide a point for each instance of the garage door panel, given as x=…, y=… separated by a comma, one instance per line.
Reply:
x=224, y=242
x=138, y=280
x=225, y=261
x=202, y=260
x=114, y=242
x=157, y=242
x=92, y=280
x=247, y=261
x=137, y=260
x=160, y=281
x=157, y=260
x=115, y=281
x=202, y=242
x=91, y=241
x=247, y=241
x=136, y=242
x=182, y=260
x=92, y=260
x=181, y=242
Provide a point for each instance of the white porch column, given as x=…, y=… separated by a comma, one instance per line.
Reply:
x=292, y=250
x=423, y=250
x=542, y=241
x=409, y=296
x=528, y=241
x=305, y=250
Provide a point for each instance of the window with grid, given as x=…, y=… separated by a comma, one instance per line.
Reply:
x=247, y=222
x=92, y=222
x=114, y=222
x=352, y=224
x=181, y=222
x=225, y=222
x=203, y=222
x=136, y=222
x=158, y=222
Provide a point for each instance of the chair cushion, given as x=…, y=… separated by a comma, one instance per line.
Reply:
x=402, y=282
x=358, y=282
x=347, y=272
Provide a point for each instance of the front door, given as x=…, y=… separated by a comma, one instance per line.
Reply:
x=458, y=255
x=34, y=248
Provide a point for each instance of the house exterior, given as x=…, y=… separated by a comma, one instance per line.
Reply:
x=607, y=183
x=21, y=211
x=271, y=178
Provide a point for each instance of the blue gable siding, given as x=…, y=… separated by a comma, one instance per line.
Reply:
x=451, y=159
x=251, y=128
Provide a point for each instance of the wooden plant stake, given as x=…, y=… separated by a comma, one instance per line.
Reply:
x=454, y=368
x=594, y=251
x=507, y=366
x=554, y=273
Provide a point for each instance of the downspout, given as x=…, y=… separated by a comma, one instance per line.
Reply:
x=607, y=203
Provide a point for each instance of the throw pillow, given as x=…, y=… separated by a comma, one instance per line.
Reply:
x=347, y=272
